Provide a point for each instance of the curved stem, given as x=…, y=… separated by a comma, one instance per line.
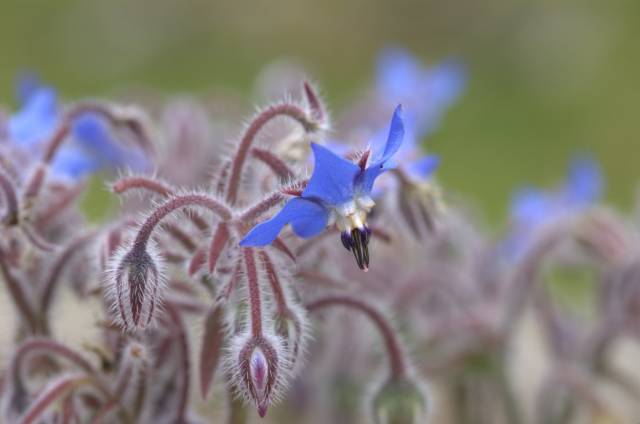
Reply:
x=277, y=165
x=254, y=292
x=397, y=361
x=525, y=273
x=284, y=109
x=56, y=270
x=176, y=203
x=145, y=183
x=50, y=394
x=125, y=184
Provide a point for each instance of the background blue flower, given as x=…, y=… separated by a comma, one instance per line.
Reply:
x=531, y=208
x=92, y=147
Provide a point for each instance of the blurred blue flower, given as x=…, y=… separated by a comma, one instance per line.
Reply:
x=339, y=192
x=427, y=92
x=533, y=208
x=92, y=148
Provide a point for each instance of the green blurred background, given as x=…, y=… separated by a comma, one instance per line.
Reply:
x=547, y=78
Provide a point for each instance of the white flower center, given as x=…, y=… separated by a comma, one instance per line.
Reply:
x=352, y=214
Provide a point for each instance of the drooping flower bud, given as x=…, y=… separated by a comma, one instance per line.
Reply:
x=256, y=372
x=136, y=281
x=400, y=402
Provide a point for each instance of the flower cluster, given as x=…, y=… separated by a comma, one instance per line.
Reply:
x=235, y=259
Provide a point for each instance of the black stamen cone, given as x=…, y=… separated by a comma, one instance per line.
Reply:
x=346, y=239
x=360, y=246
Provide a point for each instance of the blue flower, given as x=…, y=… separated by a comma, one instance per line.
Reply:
x=92, y=148
x=339, y=192
x=426, y=91
x=533, y=208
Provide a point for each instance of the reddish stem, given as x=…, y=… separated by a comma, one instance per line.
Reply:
x=277, y=165
x=397, y=361
x=250, y=134
x=176, y=203
x=262, y=207
x=49, y=395
x=254, y=292
x=180, y=235
x=274, y=281
x=56, y=270
x=317, y=109
x=139, y=182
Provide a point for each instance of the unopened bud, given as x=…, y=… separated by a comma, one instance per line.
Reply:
x=258, y=372
x=137, y=282
x=400, y=402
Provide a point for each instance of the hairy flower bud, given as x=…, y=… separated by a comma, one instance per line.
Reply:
x=400, y=402
x=256, y=372
x=136, y=281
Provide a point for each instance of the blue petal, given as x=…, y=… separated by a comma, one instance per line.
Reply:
x=530, y=207
x=36, y=120
x=584, y=183
x=439, y=88
x=379, y=163
x=398, y=73
x=308, y=218
x=333, y=178
x=394, y=139
x=91, y=134
x=423, y=167
x=73, y=163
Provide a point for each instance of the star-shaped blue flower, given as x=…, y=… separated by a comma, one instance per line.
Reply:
x=92, y=147
x=339, y=192
x=426, y=91
x=533, y=208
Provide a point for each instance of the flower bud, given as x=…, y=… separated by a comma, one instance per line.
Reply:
x=136, y=280
x=257, y=372
x=400, y=402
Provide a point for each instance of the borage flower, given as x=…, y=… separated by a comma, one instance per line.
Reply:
x=339, y=192
x=533, y=208
x=92, y=149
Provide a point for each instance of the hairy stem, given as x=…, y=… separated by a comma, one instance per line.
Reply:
x=254, y=212
x=145, y=183
x=274, y=281
x=254, y=292
x=177, y=203
x=397, y=360
x=277, y=165
x=284, y=109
